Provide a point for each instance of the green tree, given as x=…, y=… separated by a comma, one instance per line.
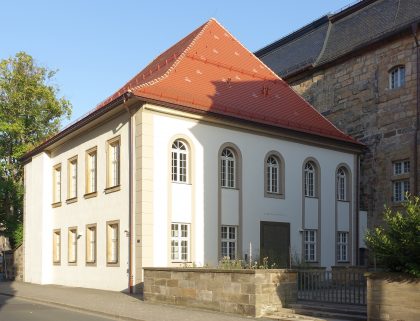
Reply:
x=397, y=245
x=30, y=113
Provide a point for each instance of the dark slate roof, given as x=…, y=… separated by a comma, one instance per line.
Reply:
x=298, y=52
x=351, y=29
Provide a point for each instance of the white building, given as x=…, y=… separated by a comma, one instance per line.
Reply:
x=201, y=154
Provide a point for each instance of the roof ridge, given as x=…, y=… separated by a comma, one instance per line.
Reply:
x=177, y=61
x=277, y=77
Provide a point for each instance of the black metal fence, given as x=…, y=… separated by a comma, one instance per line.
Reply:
x=344, y=287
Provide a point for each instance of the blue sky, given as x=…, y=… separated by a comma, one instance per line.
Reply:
x=99, y=45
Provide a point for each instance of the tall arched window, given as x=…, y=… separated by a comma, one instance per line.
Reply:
x=273, y=173
x=179, y=161
x=310, y=176
x=341, y=184
x=228, y=167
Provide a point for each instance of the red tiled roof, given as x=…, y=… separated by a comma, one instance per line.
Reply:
x=209, y=70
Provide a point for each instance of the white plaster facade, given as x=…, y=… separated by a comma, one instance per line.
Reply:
x=200, y=202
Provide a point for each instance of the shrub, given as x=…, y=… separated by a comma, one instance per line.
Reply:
x=396, y=245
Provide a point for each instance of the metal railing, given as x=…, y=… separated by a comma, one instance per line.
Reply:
x=343, y=287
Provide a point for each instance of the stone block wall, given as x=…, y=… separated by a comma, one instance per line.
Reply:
x=14, y=264
x=354, y=95
x=392, y=297
x=246, y=292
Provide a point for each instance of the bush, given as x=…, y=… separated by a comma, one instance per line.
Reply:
x=396, y=245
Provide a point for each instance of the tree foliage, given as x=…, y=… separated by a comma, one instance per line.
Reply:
x=397, y=245
x=30, y=112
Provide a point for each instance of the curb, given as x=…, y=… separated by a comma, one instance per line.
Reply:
x=71, y=307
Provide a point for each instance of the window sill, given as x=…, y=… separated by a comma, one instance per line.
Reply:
x=71, y=200
x=57, y=263
x=56, y=204
x=72, y=263
x=110, y=264
x=230, y=188
x=90, y=263
x=274, y=195
x=343, y=262
x=343, y=201
x=314, y=197
x=112, y=189
x=182, y=183
x=90, y=195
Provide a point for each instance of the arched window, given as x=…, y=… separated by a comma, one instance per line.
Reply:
x=179, y=161
x=273, y=173
x=397, y=77
x=228, y=167
x=341, y=184
x=310, y=176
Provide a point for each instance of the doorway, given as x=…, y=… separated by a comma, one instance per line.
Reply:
x=275, y=243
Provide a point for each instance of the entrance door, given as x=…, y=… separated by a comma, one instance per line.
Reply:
x=275, y=243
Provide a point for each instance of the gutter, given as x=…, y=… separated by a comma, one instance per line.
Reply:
x=79, y=124
x=127, y=96
x=415, y=145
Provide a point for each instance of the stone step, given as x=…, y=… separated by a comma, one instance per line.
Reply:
x=308, y=312
x=331, y=308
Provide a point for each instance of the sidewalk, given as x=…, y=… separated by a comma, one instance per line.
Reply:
x=108, y=303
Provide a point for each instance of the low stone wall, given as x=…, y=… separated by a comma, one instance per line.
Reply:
x=247, y=292
x=14, y=264
x=392, y=297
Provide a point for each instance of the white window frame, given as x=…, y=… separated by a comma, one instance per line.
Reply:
x=180, y=242
x=310, y=179
x=342, y=246
x=112, y=243
x=310, y=245
x=397, y=77
x=91, y=239
x=273, y=175
x=229, y=241
x=57, y=183
x=401, y=180
x=91, y=171
x=57, y=246
x=114, y=162
x=399, y=189
x=179, y=161
x=72, y=245
x=401, y=167
x=341, y=184
x=228, y=168
x=72, y=178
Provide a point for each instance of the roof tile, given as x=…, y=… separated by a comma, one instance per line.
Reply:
x=211, y=71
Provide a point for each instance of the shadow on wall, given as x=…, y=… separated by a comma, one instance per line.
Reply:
x=7, y=274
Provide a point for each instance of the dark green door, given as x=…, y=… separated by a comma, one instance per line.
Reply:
x=275, y=243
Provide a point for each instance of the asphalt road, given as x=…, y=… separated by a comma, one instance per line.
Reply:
x=15, y=309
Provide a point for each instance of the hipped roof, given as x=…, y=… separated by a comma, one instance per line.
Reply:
x=209, y=71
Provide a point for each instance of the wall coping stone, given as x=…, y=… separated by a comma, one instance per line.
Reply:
x=392, y=277
x=214, y=270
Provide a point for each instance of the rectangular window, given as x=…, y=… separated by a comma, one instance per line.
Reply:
x=228, y=241
x=56, y=246
x=180, y=242
x=91, y=243
x=310, y=245
x=113, y=242
x=72, y=245
x=401, y=182
x=400, y=188
x=342, y=246
x=91, y=171
x=72, y=178
x=113, y=163
x=57, y=184
x=401, y=167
